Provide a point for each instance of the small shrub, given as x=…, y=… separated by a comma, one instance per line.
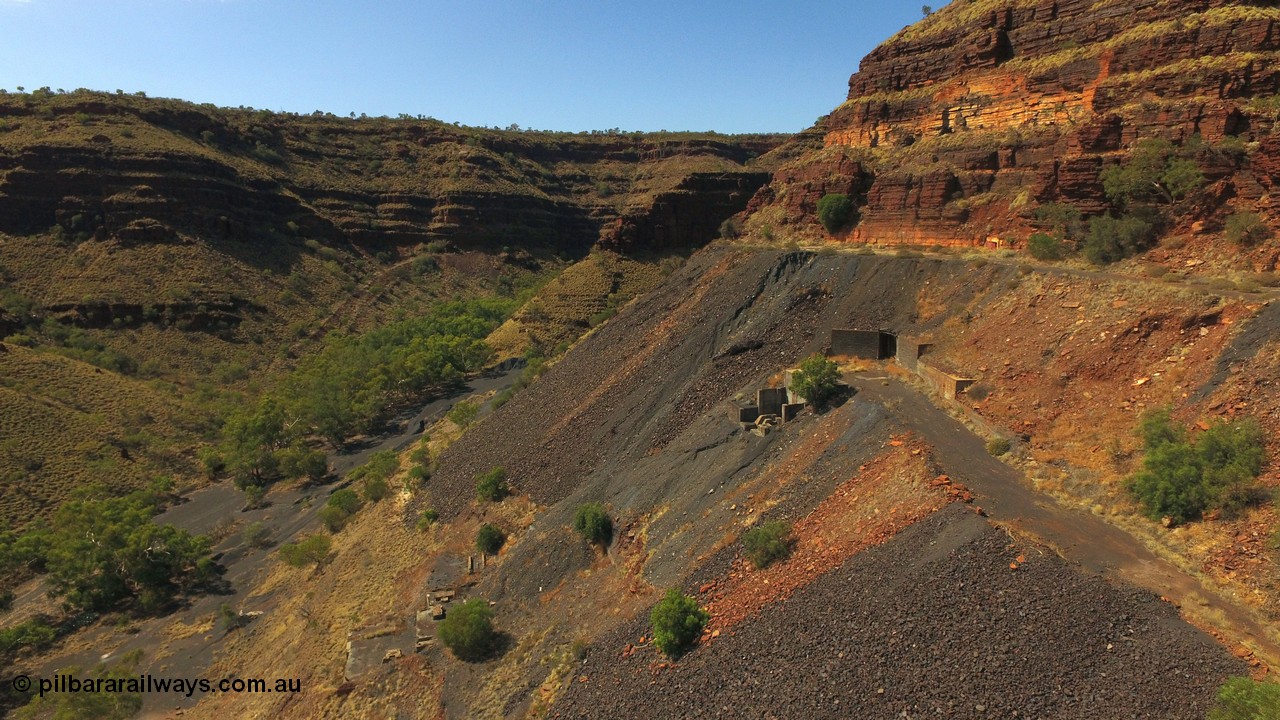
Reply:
x=978, y=391
x=490, y=539
x=30, y=635
x=1245, y=228
x=492, y=486
x=256, y=535
x=375, y=489
x=467, y=630
x=817, y=380
x=997, y=447
x=334, y=518
x=593, y=523
x=1235, y=501
x=419, y=474
x=1062, y=219
x=427, y=518
x=731, y=228
x=835, y=210
x=1181, y=479
x=1043, y=246
x=1240, y=698
x=312, y=550
x=677, y=623
x=1111, y=239
x=767, y=543
x=463, y=414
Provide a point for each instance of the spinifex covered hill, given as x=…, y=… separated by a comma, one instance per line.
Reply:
x=173, y=252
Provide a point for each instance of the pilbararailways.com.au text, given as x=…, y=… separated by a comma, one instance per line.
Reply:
x=148, y=683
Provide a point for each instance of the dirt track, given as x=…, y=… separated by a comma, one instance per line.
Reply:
x=1080, y=537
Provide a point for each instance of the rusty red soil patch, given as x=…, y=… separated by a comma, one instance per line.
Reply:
x=899, y=487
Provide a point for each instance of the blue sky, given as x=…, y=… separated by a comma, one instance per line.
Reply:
x=740, y=66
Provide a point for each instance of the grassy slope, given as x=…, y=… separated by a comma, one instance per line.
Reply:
x=290, y=285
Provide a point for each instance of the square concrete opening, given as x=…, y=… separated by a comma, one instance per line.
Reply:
x=888, y=345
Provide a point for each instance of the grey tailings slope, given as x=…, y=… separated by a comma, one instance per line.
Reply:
x=933, y=623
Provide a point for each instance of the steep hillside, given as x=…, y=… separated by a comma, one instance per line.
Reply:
x=959, y=128
x=906, y=600
x=192, y=253
x=960, y=532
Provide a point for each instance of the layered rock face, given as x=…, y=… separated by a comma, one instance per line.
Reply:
x=956, y=128
x=130, y=170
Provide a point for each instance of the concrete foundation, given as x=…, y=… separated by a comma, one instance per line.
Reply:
x=748, y=414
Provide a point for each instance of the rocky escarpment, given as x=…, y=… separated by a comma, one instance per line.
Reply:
x=956, y=129
x=132, y=170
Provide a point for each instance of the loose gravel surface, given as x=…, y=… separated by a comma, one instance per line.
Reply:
x=935, y=623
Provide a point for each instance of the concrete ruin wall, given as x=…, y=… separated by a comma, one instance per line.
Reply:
x=948, y=385
x=770, y=400
x=790, y=410
x=856, y=343
x=909, y=351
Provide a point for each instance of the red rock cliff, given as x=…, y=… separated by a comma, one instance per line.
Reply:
x=955, y=129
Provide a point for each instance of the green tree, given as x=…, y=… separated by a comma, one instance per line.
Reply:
x=463, y=414
x=101, y=552
x=835, y=210
x=1111, y=238
x=593, y=523
x=1043, y=246
x=1246, y=228
x=677, y=623
x=297, y=461
x=467, y=630
x=312, y=550
x=767, y=543
x=1181, y=479
x=1153, y=172
x=492, y=486
x=250, y=441
x=490, y=539
x=1240, y=698
x=1063, y=221
x=817, y=380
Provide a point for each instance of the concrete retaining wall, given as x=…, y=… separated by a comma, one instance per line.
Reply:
x=948, y=385
x=856, y=343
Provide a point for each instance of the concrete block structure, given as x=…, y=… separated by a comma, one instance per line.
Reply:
x=864, y=344
x=770, y=400
x=774, y=405
x=948, y=385
x=909, y=351
x=856, y=343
